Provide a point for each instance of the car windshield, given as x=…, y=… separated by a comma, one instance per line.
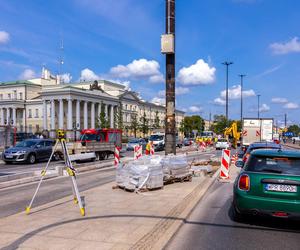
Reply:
x=268, y=164
x=26, y=144
x=134, y=141
x=88, y=137
x=156, y=137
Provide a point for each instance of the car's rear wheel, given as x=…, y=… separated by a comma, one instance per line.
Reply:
x=31, y=159
x=235, y=214
x=8, y=162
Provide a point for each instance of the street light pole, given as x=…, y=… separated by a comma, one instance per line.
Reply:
x=258, y=96
x=227, y=64
x=242, y=77
x=170, y=128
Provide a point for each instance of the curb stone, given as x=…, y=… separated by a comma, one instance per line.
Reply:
x=163, y=231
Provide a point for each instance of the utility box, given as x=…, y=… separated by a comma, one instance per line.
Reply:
x=167, y=44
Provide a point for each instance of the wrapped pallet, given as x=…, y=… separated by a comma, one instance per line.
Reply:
x=175, y=167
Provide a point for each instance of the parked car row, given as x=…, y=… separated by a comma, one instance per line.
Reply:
x=268, y=183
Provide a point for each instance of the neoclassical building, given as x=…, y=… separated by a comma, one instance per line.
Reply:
x=45, y=104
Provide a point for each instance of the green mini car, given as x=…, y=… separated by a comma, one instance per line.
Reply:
x=268, y=184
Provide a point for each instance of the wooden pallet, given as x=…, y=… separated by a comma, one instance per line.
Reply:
x=178, y=179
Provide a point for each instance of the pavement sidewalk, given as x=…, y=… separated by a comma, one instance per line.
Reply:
x=115, y=219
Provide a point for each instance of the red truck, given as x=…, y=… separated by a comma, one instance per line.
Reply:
x=94, y=144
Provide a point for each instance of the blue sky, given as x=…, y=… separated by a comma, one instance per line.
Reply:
x=120, y=40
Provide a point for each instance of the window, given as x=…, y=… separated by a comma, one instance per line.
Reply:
x=9, y=96
x=36, y=113
x=15, y=94
x=1, y=96
x=21, y=95
x=29, y=113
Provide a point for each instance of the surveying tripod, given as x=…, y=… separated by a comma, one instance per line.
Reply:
x=60, y=134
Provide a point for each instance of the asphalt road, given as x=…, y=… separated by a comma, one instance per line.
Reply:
x=210, y=227
x=15, y=199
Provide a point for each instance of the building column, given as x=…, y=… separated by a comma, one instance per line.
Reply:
x=7, y=116
x=24, y=119
x=78, y=114
x=99, y=110
x=70, y=133
x=111, y=116
x=2, y=116
x=106, y=111
x=45, y=125
x=85, y=115
x=52, y=118
x=61, y=114
x=92, y=115
x=14, y=116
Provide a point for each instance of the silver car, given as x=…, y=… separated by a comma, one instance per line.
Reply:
x=29, y=151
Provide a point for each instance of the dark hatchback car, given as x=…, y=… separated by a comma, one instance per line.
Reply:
x=29, y=151
x=268, y=184
x=260, y=145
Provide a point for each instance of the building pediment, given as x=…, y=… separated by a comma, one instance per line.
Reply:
x=129, y=95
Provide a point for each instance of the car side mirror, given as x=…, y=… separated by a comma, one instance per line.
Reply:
x=239, y=164
x=38, y=146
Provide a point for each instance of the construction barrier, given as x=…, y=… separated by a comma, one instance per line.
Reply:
x=138, y=152
x=234, y=158
x=151, y=149
x=117, y=155
x=225, y=163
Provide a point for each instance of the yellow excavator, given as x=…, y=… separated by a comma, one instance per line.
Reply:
x=232, y=131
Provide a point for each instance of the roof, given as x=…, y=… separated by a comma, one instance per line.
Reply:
x=264, y=145
x=276, y=153
x=19, y=82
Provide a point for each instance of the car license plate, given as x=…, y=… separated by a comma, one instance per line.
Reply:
x=9, y=156
x=281, y=188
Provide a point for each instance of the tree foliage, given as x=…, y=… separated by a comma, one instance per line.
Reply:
x=295, y=129
x=156, y=124
x=144, y=125
x=190, y=123
x=134, y=126
x=220, y=123
x=119, y=118
x=102, y=121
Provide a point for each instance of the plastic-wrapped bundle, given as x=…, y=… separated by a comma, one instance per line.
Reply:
x=175, y=167
x=122, y=175
x=156, y=175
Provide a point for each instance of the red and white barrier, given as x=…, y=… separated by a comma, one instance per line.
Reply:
x=117, y=155
x=138, y=152
x=234, y=158
x=225, y=163
x=151, y=149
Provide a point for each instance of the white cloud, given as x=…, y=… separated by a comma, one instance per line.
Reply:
x=264, y=108
x=291, y=105
x=27, y=74
x=182, y=90
x=4, y=37
x=197, y=74
x=195, y=109
x=292, y=46
x=279, y=100
x=219, y=101
x=159, y=101
x=88, y=75
x=137, y=69
x=235, y=93
x=157, y=78
x=66, y=78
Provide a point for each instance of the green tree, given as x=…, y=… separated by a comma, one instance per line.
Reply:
x=102, y=122
x=294, y=129
x=190, y=123
x=156, y=124
x=220, y=123
x=144, y=125
x=134, y=126
x=118, y=121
